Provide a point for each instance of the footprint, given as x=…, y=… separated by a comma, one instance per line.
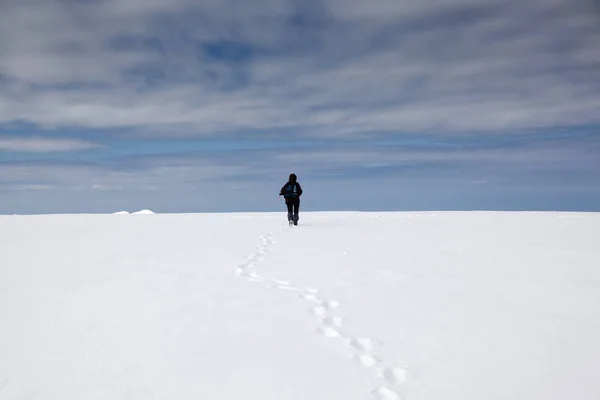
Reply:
x=328, y=331
x=332, y=304
x=333, y=321
x=3, y=384
x=286, y=287
x=362, y=344
x=311, y=297
x=283, y=285
x=366, y=360
x=244, y=274
x=383, y=393
x=319, y=311
x=239, y=270
x=395, y=376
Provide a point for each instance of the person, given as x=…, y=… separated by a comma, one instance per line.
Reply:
x=292, y=191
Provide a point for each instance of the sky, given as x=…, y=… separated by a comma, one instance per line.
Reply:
x=208, y=106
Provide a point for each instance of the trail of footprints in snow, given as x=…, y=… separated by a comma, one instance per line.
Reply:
x=329, y=324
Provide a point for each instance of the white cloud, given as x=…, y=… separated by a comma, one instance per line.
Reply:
x=106, y=187
x=32, y=187
x=44, y=145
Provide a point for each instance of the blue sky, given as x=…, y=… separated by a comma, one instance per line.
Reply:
x=207, y=106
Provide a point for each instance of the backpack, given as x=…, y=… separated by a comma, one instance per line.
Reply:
x=290, y=189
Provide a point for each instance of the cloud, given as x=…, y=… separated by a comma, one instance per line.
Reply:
x=411, y=173
x=125, y=174
x=30, y=187
x=106, y=187
x=323, y=68
x=538, y=154
x=568, y=162
x=44, y=145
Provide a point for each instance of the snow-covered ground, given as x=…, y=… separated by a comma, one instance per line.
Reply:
x=427, y=306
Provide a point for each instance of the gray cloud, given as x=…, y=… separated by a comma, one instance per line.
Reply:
x=325, y=67
x=541, y=155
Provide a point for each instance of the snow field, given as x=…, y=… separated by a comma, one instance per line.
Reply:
x=457, y=306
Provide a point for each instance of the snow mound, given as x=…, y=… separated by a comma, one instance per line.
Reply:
x=144, y=212
x=141, y=212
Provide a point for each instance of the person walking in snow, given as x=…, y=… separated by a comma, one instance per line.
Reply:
x=292, y=191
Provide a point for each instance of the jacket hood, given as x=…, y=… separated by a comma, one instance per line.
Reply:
x=293, y=178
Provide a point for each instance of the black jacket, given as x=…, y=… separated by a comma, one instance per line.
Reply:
x=289, y=191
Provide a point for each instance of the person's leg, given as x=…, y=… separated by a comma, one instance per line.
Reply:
x=290, y=209
x=296, y=210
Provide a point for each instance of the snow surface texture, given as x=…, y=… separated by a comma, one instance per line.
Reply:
x=453, y=306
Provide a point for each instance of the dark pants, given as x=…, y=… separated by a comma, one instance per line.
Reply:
x=293, y=207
